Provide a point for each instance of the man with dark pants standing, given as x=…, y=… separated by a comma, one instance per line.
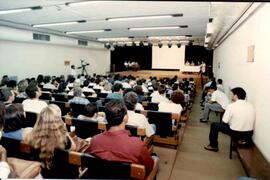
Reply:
x=238, y=117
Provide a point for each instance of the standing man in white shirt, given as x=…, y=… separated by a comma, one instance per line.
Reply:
x=239, y=116
x=218, y=102
x=73, y=71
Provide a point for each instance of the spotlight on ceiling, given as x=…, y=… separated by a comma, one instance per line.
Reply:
x=169, y=45
x=178, y=45
x=160, y=45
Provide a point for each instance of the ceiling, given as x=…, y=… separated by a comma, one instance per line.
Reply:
x=195, y=15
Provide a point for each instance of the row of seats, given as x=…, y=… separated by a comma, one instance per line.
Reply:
x=70, y=162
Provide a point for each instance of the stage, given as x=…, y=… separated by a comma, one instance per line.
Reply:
x=162, y=74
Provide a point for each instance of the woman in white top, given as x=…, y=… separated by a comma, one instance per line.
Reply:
x=174, y=105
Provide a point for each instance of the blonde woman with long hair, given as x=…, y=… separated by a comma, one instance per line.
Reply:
x=50, y=134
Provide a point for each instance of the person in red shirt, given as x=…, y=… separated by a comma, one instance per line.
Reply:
x=116, y=144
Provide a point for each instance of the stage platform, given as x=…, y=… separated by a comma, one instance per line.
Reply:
x=162, y=74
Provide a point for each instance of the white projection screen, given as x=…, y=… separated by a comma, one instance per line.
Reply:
x=168, y=58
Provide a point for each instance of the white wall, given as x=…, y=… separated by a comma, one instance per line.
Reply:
x=26, y=59
x=168, y=58
x=253, y=77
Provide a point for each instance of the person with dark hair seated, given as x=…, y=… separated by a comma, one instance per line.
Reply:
x=86, y=88
x=91, y=113
x=239, y=116
x=48, y=83
x=12, y=85
x=162, y=95
x=7, y=96
x=136, y=119
x=22, y=85
x=13, y=127
x=116, y=144
x=4, y=167
x=33, y=104
x=139, y=91
x=117, y=92
x=218, y=102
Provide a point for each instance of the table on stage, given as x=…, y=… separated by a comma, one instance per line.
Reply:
x=192, y=69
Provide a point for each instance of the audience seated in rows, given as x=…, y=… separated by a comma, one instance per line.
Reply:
x=116, y=144
x=91, y=113
x=86, y=87
x=13, y=127
x=136, y=119
x=33, y=104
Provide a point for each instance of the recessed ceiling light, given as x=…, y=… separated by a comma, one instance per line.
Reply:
x=59, y=24
x=89, y=31
x=11, y=11
x=144, y=17
x=153, y=28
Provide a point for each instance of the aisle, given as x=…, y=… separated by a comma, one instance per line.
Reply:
x=194, y=162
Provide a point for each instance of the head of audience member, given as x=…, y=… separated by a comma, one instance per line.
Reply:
x=138, y=90
x=77, y=83
x=72, y=66
x=12, y=85
x=116, y=114
x=86, y=83
x=62, y=87
x=91, y=110
x=107, y=87
x=48, y=134
x=14, y=118
x=177, y=97
x=47, y=79
x=131, y=99
x=22, y=85
x=33, y=91
x=7, y=96
x=40, y=79
x=155, y=86
x=117, y=88
x=162, y=89
x=77, y=92
x=4, y=80
x=219, y=81
x=2, y=114
x=238, y=93
x=175, y=87
x=212, y=88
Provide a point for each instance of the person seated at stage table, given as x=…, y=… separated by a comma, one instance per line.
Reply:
x=162, y=95
x=33, y=104
x=116, y=144
x=117, y=92
x=91, y=113
x=78, y=98
x=126, y=64
x=192, y=63
x=187, y=63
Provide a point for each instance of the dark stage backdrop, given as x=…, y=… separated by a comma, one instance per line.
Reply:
x=143, y=55
x=199, y=53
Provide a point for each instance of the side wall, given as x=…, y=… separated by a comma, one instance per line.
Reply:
x=25, y=59
x=230, y=64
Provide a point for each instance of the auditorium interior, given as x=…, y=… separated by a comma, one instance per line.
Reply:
x=142, y=43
